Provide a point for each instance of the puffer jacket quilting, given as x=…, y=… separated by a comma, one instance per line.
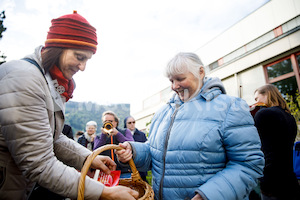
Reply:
x=213, y=147
x=31, y=121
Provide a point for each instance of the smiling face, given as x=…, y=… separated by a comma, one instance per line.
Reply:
x=73, y=60
x=91, y=129
x=186, y=84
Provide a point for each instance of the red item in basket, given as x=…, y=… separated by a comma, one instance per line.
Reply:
x=110, y=180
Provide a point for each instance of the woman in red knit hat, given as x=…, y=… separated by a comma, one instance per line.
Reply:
x=34, y=155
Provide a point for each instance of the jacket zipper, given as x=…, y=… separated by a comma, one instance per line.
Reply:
x=165, y=152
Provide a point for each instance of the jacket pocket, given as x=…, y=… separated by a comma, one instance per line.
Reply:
x=2, y=176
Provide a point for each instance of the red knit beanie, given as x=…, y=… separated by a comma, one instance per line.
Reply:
x=72, y=31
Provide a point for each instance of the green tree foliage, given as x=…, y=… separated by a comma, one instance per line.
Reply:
x=294, y=105
x=2, y=29
x=79, y=113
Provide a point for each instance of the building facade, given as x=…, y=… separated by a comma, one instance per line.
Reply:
x=264, y=47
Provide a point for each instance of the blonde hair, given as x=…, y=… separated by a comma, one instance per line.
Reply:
x=274, y=97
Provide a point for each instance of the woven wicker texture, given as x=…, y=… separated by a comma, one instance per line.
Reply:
x=135, y=182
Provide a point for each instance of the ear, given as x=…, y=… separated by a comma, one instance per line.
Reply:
x=202, y=72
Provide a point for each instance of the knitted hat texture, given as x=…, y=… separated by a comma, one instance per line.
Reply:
x=72, y=31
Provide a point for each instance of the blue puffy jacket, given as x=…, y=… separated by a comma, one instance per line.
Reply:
x=207, y=145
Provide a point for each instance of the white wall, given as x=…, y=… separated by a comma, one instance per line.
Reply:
x=250, y=80
x=265, y=19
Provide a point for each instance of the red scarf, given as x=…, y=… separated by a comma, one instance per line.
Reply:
x=63, y=86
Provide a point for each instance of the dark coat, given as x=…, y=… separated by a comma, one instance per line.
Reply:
x=139, y=136
x=84, y=142
x=67, y=130
x=277, y=130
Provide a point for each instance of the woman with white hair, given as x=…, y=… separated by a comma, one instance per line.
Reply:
x=87, y=139
x=203, y=143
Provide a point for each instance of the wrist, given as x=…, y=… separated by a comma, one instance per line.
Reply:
x=106, y=193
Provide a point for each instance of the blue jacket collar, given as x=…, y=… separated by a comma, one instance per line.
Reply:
x=211, y=88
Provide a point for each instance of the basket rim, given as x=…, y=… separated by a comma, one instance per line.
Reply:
x=135, y=176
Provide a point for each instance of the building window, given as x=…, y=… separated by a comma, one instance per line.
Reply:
x=284, y=74
x=280, y=68
x=287, y=86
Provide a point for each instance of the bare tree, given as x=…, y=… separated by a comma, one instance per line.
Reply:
x=2, y=29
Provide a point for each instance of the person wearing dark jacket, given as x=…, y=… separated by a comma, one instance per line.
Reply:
x=115, y=137
x=67, y=130
x=138, y=136
x=87, y=139
x=277, y=129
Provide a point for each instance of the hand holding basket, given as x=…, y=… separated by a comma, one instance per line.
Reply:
x=135, y=182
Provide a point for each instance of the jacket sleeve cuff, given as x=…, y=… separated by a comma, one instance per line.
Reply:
x=201, y=194
x=93, y=189
x=133, y=151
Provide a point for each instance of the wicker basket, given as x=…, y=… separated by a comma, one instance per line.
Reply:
x=135, y=182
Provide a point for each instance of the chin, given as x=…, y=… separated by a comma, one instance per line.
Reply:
x=181, y=98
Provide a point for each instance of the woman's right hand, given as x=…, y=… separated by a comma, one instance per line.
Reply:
x=124, y=155
x=119, y=193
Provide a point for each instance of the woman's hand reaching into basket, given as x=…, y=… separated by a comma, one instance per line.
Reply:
x=119, y=193
x=124, y=155
x=105, y=163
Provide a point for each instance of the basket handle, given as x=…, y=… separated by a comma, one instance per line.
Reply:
x=134, y=175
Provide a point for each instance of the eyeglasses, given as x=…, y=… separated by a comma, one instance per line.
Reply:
x=131, y=122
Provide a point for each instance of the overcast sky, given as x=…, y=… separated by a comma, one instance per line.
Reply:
x=136, y=39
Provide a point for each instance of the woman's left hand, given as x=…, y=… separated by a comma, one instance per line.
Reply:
x=197, y=197
x=104, y=163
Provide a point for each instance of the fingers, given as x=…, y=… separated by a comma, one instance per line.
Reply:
x=93, y=137
x=110, y=163
x=115, y=131
x=104, y=163
x=102, y=131
x=125, y=145
x=104, y=168
x=124, y=155
x=119, y=192
x=135, y=194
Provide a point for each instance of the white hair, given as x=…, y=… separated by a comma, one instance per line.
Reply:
x=184, y=62
x=91, y=123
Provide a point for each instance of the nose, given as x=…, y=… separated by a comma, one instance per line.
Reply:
x=81, y=66
x=175, y=85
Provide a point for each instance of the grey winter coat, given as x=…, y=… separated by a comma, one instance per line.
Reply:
x=32, y=147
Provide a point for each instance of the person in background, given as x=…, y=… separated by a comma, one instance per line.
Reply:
x=78, y=134
x=277, y=129
x=67, y=130
x=138, y=136
x=115, y=137
x=203, y=143
x=33, y=93
x=87, y=139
